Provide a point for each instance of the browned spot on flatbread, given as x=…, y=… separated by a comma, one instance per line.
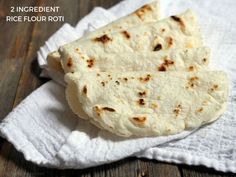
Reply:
x=204, y=60
x=157, y=47
x=139, y=119
x=125, y=79
x=69, y=62
x=143, y=93
x=192, y=82
x=178, y=20
x=193, y=78
x=161, y=68
x=167, y=62
x=125, y=34
x=117, y=82
x=214, y=88
x=103, y=39
x=85, y=90
x=90, y=62
x=163, y=30
x=100, y=110
x=170, y=41
x=199, y=110
x=142, y=11
x=191, y=68
x=177, y=110
x=108, y=109
x=103, y=83
x=145, y=79
x=141, y=102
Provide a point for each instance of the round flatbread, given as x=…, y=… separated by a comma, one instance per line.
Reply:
x=148, y=103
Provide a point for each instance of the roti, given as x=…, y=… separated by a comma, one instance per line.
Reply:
x=193, y=59
x=145, y=14
x=180, y=31
x=149, y=103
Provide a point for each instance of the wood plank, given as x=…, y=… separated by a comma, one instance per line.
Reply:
x=201, y=171
x=156, y=169
x=13, y=46
x=26, y=81
x=124, y=168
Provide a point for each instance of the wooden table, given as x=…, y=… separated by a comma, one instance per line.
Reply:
x=19, y=72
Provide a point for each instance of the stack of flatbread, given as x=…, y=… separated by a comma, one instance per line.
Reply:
x=142, y=76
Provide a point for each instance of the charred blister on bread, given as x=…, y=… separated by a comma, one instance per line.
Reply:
x=99, y=111
x=177, y=110
x=145, y=78
x=78, y=50
x=69, y=62
x=141, y=102
x=170, y=41
x=192, y=82
x=167, y=63
x=157, y=47
x=117, y=82
x=139, y=120
x=108, y=109
x=125, y=34
x=103, y=83
x=103, y=39
x=141, y=94
x=163, y=30
x=179, y=21
x=204, y=60
x=142, y=11
x=90, y=62
x=85, y=90
x=199, y=110
x=125, y=79
x=214, y=88
x=191, y=68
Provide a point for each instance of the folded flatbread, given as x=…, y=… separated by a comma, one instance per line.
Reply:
x=146, y=14
x=193, y=59
x=149, y=103
x=180, y=31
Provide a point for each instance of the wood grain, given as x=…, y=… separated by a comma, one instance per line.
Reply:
x=13, y=46
x=156, y=169
x=200, y=171
x=19, y=43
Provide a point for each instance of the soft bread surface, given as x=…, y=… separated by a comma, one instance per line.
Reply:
x=180, y=31
x=149, y=103
x=146, y=14
x=193, y=59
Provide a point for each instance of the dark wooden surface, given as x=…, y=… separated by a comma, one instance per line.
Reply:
x=19, y=43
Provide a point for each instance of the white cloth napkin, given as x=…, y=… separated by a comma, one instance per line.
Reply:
x=44, y=129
